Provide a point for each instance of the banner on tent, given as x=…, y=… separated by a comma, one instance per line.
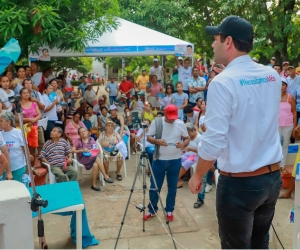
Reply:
x=43, y=54
x=129, y=49
x=184, y=50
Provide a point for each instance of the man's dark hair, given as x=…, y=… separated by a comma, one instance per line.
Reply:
x=241, y=46
x=276, y=65
x=45, y=50
x=189, y=46
x=194, y=68
x=160, y=113
x=103, y=107
x=27, y=66
x=188, y=109
x=26, y=80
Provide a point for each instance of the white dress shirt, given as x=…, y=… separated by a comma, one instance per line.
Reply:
x=242, y=117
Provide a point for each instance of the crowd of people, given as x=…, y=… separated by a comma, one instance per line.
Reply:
x=56, y=128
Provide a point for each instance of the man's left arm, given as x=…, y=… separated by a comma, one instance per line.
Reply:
x=214, y=140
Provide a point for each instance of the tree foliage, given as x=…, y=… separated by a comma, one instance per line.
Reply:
x=64, y=24
x=81, y=64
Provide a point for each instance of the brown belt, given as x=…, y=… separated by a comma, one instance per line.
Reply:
x=260, y=171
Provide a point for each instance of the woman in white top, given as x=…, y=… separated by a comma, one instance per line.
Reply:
x=5, y=93
x=199, y=119
x=190, y=155
x=15, y=145
x=50, y=110
x=16, y=84
x=60, y=110
x=167, y=100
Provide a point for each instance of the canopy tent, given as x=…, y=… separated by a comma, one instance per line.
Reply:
x=129, y=39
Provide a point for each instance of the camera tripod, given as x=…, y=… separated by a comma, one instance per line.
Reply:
x=142, y=164
x=36, y=201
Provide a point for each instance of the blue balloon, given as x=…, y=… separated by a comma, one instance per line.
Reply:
x=9, y=53
x=52, y=96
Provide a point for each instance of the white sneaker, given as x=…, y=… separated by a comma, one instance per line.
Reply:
x=208, y=188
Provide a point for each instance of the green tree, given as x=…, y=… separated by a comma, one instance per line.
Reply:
x=276, y=25
x=169, y=17
x=64, y=24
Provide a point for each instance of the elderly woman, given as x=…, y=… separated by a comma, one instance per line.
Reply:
x=15, y=144
x=108, y=140
x=190, y=155
x=71, y=129
x=31, y=114
x=86, y=144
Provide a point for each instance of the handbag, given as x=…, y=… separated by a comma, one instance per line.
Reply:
x=88, y=158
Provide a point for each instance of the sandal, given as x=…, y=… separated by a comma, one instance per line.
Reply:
x=133, y=153
x=96, y=188
x=109, y=180
x=119, y=177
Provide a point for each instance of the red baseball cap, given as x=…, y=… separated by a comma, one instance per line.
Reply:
x=171, y=112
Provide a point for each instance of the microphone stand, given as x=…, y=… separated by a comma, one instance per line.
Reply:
x=36, y=201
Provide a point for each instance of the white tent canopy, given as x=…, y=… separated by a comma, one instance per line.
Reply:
x=129, y=39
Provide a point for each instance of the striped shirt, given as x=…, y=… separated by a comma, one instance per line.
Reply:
x=55, y=153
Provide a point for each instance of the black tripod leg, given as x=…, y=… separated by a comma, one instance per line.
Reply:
x=128, y=202
x=161, y=203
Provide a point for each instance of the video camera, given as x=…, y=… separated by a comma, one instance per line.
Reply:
x=16, y=100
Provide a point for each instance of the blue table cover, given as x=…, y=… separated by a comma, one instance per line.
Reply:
x=65, y=194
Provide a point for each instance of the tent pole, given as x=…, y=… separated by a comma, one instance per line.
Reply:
x=123, y=66
x=162, y=64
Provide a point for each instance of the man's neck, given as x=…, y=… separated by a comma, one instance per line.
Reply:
x=293, y=76
x=196, y=77
x=55, y=140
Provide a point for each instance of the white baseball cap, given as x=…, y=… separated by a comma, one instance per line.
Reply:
x=155, y=60
x=113, y=107
x=180, y=58
x=283, y=79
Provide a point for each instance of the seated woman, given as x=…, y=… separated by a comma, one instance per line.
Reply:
x=135, y=104
x=190, y=156
x=128, y=123
x=15, y=145
x=86, y=144
x=108, y=140
x=149, y=148
x=148, y=113
x=102, y=117
x=71, y=130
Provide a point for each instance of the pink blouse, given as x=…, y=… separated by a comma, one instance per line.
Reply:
x=31, y=112
x=72, y=131
x=155, y=89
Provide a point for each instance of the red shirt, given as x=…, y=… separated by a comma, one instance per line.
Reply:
x=202, y=67
x=125, y=87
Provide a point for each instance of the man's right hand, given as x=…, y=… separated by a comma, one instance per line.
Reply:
x=161, y=142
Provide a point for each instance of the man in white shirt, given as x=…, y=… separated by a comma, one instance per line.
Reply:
x=293, y=80
x=167, y=158
x=90, y=94
x=157, y=70
x=184, y=73
x=242, y=133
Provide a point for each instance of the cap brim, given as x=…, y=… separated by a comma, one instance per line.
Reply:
x=172, y=117
x=212, y=30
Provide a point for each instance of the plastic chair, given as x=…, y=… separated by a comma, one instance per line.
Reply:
x=124, y=162
x=50, y=179
x=78, y=166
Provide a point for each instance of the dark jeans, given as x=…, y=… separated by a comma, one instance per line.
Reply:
x=201, y=194
x=113, y=99
x=245, y=210
x=192, y=104
x=210, y=174
x=160, y=168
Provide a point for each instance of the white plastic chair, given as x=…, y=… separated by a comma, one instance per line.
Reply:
x=124, y=162
x=50, y=178
x=78, y=166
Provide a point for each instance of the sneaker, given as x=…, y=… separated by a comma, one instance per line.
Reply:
x=148, y=216
x=208, y=188
x=170, y=216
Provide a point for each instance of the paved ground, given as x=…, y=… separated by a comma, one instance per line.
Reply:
x=192, y=228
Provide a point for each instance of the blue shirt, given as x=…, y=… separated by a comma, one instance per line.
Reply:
x=179, y=99
x=88, y=124
x=113, y=88
x=82, y=87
